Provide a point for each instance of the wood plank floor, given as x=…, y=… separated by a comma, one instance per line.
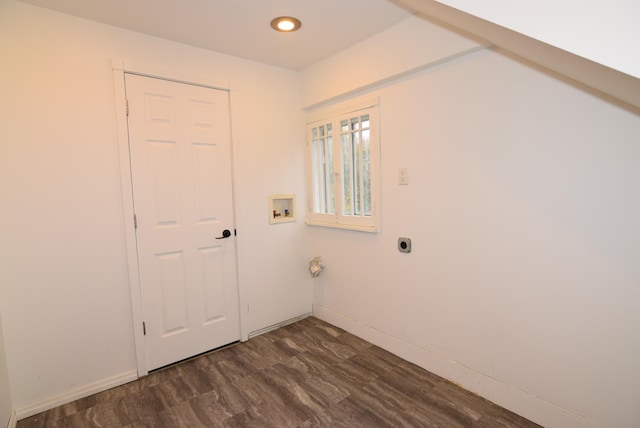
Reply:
x=307, y=374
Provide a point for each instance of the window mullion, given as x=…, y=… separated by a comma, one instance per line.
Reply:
x=337, y=170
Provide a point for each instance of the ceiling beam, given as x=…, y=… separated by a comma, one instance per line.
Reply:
x=608, y=81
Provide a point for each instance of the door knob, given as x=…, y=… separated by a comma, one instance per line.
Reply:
x=225, y=234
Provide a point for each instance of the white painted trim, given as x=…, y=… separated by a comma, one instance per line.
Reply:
x=278, y=325
x=155, y=76
x=518, y=401
x=128, y=212
x=243, y=299
x=180, y=75
x=75, y=394
x=335, y=225
x=13, y=420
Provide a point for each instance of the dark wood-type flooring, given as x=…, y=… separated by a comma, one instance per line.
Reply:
x=307, y=374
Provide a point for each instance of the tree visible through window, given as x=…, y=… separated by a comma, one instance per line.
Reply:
x=322, y=142
x=355, y=138
x=344, y=152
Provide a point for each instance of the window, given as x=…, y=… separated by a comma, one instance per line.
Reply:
x=344, y=157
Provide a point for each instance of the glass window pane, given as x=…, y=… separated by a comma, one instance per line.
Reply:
x=322, y=170
x=357, y=174
x=365, y=121
x=347, y=175
x=318, y=176
x=329, y=179
x=366, y=172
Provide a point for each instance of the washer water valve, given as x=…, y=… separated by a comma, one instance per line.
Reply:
x=315, y=266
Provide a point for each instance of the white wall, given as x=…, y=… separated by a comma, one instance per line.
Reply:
x=408, y=46
x=65, y=297
x=604, y=32
x=522, y=206
x=512, y=28
x=6, y=403
x=523, y=212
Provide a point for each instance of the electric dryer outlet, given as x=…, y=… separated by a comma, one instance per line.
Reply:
x=404, y=245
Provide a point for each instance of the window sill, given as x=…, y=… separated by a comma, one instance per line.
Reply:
x=354, y=227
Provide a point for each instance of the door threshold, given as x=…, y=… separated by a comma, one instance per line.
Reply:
x=228, y=345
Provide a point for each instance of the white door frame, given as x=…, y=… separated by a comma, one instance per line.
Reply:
x=119, y=69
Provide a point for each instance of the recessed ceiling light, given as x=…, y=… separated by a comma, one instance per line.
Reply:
x=286, y=24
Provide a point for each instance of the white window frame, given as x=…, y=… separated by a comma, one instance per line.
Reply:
x=334, y=115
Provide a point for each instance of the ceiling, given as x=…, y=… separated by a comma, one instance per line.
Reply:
x=241, y=27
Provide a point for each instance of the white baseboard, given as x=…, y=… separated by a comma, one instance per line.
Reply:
x=520, y=402
x=75, y=394
x=278, y=325
x=13, y=420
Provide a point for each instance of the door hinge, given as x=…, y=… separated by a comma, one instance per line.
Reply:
x=126, y=106
x=144, y=328
x=135, y=221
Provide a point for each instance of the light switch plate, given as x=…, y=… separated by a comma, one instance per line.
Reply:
x=403, y=176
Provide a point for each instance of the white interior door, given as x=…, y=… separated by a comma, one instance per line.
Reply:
x=180, y=152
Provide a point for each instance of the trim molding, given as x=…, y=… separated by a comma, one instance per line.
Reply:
x=278, y=325
x=13, y=420
x=128, y=212
x=74, y=394
x=516, y=400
